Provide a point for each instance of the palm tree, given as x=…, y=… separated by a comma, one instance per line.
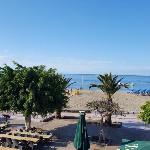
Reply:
x=109, y=84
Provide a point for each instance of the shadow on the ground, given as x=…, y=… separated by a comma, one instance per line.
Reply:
x=70, y=117
x=66, y=134
x=134, y=133
x=16, y=125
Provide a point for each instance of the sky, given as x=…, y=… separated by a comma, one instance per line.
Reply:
x=77, y=36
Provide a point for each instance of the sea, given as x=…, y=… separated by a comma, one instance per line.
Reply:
x=83, y=81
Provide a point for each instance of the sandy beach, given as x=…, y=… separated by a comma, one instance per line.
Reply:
x=64, y=129
x=128, y=102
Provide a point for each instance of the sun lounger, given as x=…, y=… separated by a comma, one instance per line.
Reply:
x=148, y=92
x=137, y=92
x=143, y=92
x=131, y=91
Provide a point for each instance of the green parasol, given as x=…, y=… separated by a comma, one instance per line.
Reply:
x=81, y=141
x=134, y=145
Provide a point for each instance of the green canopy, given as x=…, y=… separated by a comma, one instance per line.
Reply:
x=134, y=145
x=81, y=141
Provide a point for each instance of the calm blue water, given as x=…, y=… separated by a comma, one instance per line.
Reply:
x=83, y=81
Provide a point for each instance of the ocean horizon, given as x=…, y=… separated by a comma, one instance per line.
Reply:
x=83, y=81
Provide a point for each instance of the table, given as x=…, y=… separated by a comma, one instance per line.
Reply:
x=45, y=136
x=35, y=140
x=7, y=148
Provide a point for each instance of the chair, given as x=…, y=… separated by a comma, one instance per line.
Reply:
x=3, y=141
x=15, y=144
x=32, y=130
x=40, y=138
x=36, y=136
x=21, y=130
x=1, y=130
x=32, y=145
x=8, y=142
x=41, y=143
x=23, y=135
x=27, y=130
x=28, y=135
x=24, y=145
x=18, y=134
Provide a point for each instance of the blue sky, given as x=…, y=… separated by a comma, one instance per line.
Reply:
x=77, y=36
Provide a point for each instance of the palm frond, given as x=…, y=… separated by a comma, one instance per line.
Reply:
x=93, y=85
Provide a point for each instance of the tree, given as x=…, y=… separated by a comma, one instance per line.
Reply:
x=145, y=112
x=59, y=92
x=104, y=106
x=109, y=84
x=31, y=90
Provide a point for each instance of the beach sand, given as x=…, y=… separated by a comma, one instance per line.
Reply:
x=64, y=129
x=128, y=102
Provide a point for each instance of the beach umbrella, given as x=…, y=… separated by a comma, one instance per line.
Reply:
x=134, y=145
x=81, y=141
